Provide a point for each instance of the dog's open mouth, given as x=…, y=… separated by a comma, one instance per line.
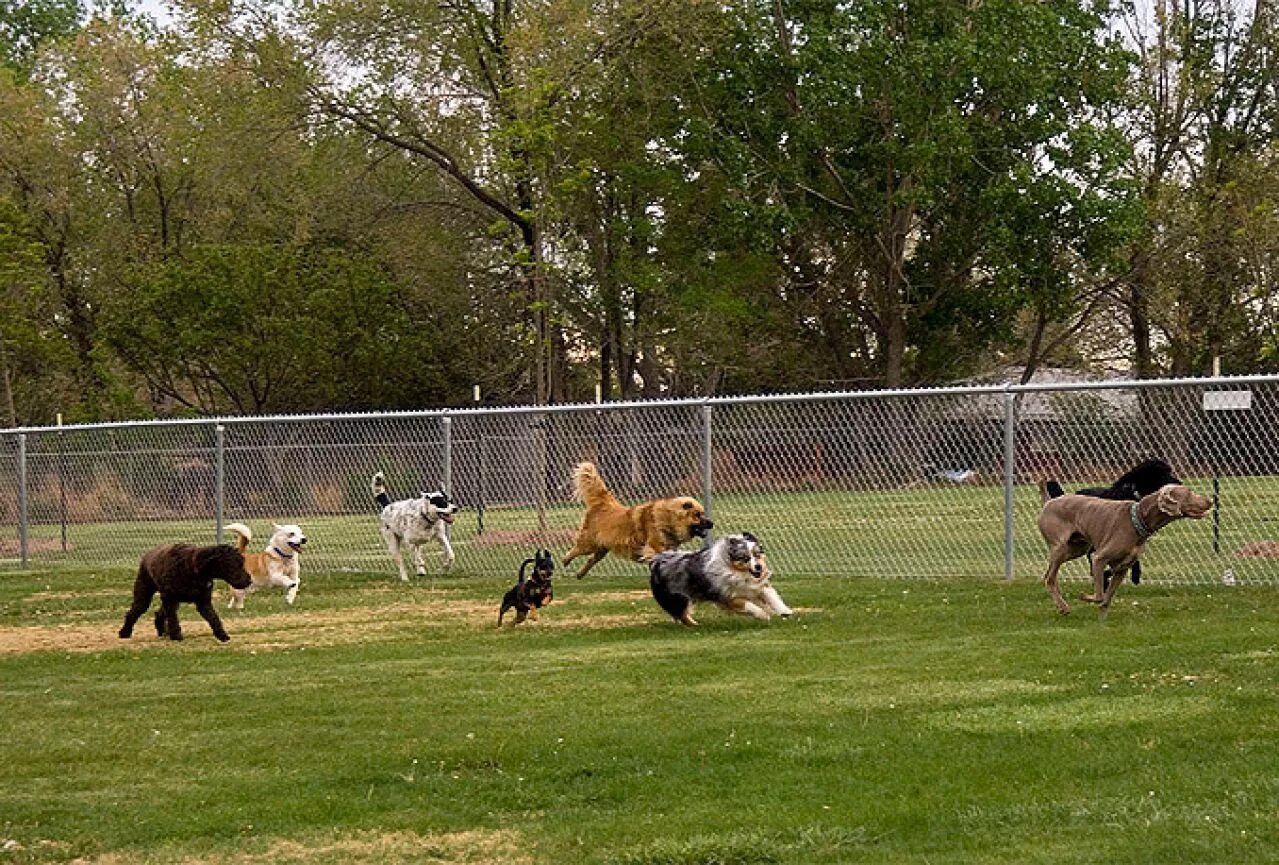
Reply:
x=296, y=546
x=448, y=518
x=699, y=530
x=1196, y=513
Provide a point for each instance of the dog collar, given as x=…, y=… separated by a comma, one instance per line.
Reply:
x=281, y=553
x=1142, y=530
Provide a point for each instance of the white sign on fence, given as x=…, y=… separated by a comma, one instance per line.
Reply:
x=1227, y=400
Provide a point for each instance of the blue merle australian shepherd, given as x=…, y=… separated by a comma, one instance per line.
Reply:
x=731, y=572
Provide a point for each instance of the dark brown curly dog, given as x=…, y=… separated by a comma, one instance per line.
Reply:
x=184, y=573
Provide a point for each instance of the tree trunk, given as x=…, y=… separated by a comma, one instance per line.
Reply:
x=6, y=388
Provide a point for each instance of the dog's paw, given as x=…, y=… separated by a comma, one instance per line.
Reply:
x=223, y=638
x=125, y=634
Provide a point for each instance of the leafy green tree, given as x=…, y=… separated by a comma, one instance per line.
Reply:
x=261, y=329
x=932, y=167
x=1204, y=124
x=25, y=25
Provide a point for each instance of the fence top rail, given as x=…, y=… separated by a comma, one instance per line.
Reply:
x=576, y=408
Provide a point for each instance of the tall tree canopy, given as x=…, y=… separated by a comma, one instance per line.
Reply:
x=286, y=205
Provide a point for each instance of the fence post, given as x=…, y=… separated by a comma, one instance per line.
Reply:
x=22, y=498
x=446, y=433
x=707, y=485
x=1010, y=478
x=219, y=477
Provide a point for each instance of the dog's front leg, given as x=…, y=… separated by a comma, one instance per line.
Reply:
x=750, y=608
x=204, y=607
x=419, y=566
x=775, y=603
x=1117, y=577
x=1100, y=580
x=594, y=560
x=448, y=548
x=1050, y=582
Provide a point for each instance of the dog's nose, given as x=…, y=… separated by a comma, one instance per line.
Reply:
x=708, y=522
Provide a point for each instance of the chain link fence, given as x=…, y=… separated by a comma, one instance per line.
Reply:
x=904, y=484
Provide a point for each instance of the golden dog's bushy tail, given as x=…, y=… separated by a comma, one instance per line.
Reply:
x=243, y=534
x=589, y=486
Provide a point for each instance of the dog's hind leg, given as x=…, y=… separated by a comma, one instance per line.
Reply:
x=204, y=607
x=397, y=554
x=143, y=591
x=677, y=605
x=166, y=619
x=419, y=566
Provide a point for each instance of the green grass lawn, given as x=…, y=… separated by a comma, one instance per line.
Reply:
x=923, y=532
x=941, y=721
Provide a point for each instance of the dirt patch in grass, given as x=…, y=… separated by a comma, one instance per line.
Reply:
x=391, y=618
x=34, y=545
x=397, y=848
x=79, y=595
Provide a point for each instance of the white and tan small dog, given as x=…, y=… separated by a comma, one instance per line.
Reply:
x=414, y=522
x=732, y=572
x=279, y=565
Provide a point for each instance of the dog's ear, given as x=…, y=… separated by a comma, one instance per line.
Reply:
x=1170, y=500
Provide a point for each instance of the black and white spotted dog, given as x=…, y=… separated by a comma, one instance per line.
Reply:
x=732, y=572
x=414, y=522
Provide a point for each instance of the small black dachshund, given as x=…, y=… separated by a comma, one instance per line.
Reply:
x=529, y=595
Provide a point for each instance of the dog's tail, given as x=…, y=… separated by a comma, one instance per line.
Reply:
x=380, y=494
x=243, y=534
x=1050, y=489
x=589, y=487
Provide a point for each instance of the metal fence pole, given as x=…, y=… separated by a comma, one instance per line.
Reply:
x=1010, y=478
x=707, y=485
x=446, y=432
x=219, y=477
x=22, y=498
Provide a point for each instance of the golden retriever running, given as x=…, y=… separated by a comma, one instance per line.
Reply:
x=638, y=532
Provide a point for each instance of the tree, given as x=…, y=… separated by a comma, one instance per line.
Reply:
x=936, y=165
x=1203, y=126
x=25, y=25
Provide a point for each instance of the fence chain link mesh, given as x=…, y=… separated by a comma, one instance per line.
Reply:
x=908, y=484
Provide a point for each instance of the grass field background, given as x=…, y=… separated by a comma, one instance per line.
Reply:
x=922, y=532
x=940, y=721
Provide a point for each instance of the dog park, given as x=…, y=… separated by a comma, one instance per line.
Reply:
x=918, y=705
